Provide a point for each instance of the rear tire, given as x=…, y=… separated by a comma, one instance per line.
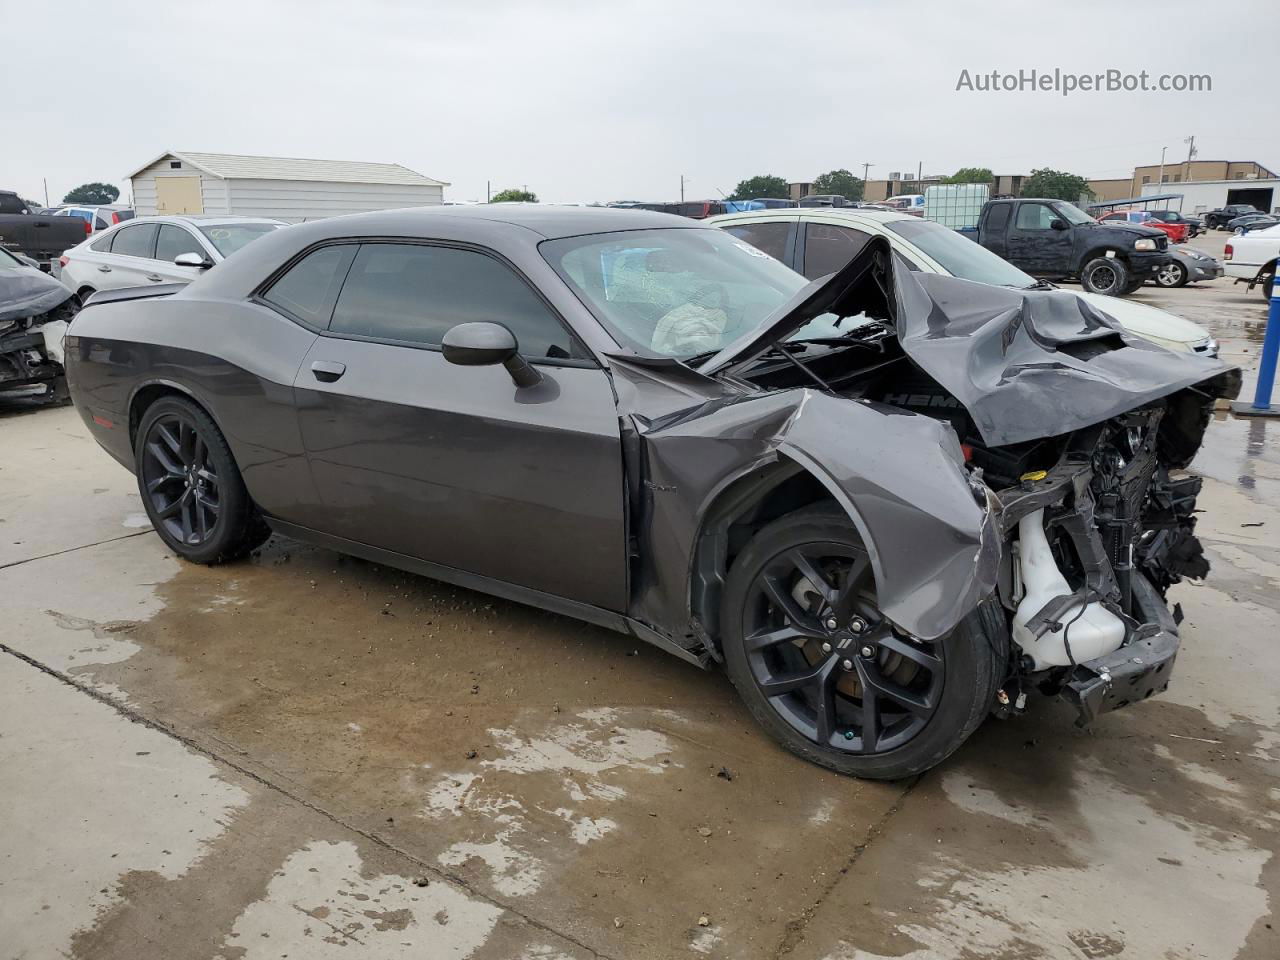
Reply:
x=1268, y=287
x=1105, y=275
x=191, y=487
x=929, y=696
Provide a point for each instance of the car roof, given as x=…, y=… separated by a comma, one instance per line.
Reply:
x=195, y=219
x=548, y=222
x=844, y=213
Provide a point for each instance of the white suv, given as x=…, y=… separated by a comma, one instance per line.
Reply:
x=156, y=250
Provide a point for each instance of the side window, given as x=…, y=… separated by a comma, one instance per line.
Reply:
x=827, y=248
x=770, y=237
x=103, y=243
x=1034, y=216
x=136, y=241
x=11, y=204
x=998, y=218
x=173, y=241
x=100, y=224
x=414, y=293
x=309, y=288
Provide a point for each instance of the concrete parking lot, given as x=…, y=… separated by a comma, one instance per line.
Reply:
x=305, y=755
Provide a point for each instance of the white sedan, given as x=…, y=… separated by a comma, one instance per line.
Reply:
x=820, y=241
x=1252, y=256
x=156, y=250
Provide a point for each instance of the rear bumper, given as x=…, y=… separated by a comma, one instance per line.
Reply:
x=1138, y=670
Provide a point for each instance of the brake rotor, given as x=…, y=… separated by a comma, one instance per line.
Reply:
x=893, y=666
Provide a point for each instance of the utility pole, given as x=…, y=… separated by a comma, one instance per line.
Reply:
x=46, y=190
x=1191, y=154
x=488, y=190
x=865, y=168
x=682, y=188
x=1160, y=179
x=919, y=171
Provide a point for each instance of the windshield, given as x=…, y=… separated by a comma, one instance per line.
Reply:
x=958, y=255
x=230, y=237
x=673, y=293
x=1071, y=213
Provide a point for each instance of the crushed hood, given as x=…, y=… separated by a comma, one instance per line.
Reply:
x=1025, y=363
x=28, y=292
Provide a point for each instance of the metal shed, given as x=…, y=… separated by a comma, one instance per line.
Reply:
x=284, y=188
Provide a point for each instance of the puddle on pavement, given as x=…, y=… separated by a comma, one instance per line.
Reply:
x=1128, y=843
x=540, y=760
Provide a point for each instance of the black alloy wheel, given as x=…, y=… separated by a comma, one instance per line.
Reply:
x=180, y=480
x=828, y=676
x=190, y=485
x=820, y=651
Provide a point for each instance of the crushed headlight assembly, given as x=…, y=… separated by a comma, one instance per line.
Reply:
x=1146, y=243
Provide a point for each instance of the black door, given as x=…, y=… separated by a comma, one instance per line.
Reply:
x=1035, y=246
x=456, y=465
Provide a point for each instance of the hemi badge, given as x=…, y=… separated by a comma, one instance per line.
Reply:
x=102, y=421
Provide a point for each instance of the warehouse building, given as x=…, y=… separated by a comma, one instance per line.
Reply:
x=1199, y=196
x=283, y=188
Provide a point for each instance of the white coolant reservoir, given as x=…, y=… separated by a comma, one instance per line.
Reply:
x=1098, y=631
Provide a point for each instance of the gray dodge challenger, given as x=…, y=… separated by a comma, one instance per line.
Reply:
x=890, y=504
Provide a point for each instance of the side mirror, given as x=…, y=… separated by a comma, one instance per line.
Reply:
x=1057, y=224
x=484, y=344
x=193, y=260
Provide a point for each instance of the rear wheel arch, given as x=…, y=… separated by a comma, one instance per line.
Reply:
x=147, y=394
x=85, y=292
x=735, y=513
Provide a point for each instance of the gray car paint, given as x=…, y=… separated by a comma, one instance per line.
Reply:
x=546, y=480
x=1025, y=363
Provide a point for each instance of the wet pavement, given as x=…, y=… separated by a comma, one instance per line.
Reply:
x=306, y=755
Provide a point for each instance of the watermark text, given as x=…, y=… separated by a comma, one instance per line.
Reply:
x=1066, y=83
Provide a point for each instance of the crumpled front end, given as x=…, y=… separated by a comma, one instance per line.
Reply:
x=35, y=311
x=1095, y=541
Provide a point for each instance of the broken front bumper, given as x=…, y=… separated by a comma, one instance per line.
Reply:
x=1136, y=671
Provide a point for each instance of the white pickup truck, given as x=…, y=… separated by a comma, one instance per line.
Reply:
x=1252, y=257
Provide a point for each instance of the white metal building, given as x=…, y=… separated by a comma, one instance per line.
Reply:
x=284, y=188
x=1199, y=196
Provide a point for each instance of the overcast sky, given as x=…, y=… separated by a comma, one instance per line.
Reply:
x=616, y=99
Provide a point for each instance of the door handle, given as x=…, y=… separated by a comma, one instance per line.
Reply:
x=104, y=269
x=152, y=276
x=327, y=371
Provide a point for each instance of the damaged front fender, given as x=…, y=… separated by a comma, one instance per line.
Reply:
x=930, y=532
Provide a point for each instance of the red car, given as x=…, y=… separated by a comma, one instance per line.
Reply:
x=1177, y=231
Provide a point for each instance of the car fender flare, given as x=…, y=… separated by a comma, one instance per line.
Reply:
x=737, y=494
x=165, y=385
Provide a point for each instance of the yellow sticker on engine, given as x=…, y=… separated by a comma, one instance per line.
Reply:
x=1034, y=475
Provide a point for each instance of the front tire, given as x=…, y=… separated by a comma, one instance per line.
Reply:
x=191, y=487
x=1171, y=275
x=827, y=676
x=1105, y=275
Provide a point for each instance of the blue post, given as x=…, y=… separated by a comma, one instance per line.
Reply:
x=1270, y=349
x=1261, y=406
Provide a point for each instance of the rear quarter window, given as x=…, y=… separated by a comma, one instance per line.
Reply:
x=308, y=290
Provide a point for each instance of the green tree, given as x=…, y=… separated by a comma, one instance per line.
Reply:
x=971, y=175
x=1056, y=185
x=840, y=183
x=514, y=195
x=765, y=185
x=92, y=193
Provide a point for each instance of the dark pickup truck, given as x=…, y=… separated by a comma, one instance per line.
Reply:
x=1218, y=219
x=1056, y=240
x=38, y=236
